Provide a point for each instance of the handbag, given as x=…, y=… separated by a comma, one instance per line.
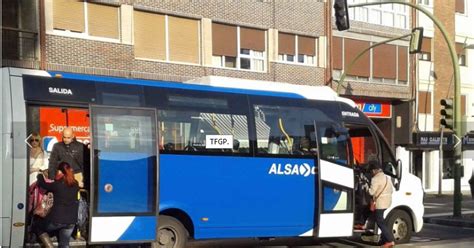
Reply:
x=373, y=205
x=45, y=205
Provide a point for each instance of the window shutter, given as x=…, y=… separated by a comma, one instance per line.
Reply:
x=68, y=15
x=337, y=52
x=183, y=39
x=385, y=61
x=402, y=63
x=224, y=40
x=460, y=49
x=460, y=6
x=424, y=102
x=253, y=39
x=149, y=36
x=306, y=45
x=351, y=49
x=426, y=45
x=286, y=43
x=103, y=20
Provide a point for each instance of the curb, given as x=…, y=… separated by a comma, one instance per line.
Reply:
x=449, y=221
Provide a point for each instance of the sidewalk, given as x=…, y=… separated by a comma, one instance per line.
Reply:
x=439, y=210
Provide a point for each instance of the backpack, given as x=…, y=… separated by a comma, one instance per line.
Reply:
x=82, y=214
x=45, y=204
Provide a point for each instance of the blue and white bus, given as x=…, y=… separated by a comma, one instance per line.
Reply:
x=176, y=162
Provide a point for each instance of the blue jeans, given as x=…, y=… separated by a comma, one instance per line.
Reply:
x=387, y=235
x=64, y=232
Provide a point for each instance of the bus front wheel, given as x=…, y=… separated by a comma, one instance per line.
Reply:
x=171, y=233
x=400, y=223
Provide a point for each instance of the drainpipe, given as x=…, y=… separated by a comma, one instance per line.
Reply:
x=42, y=35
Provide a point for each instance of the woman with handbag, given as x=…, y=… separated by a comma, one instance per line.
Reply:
x=381, y=189
x=63, y=214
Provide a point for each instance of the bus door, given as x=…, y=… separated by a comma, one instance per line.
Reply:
x=124, y=200
x=336, y=217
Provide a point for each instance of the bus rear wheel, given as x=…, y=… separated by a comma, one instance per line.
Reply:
x=400, y=223
x=171, y=233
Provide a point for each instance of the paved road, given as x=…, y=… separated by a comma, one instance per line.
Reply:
x=431, y=236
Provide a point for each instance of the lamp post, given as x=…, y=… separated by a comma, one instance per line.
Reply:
x=457, y=97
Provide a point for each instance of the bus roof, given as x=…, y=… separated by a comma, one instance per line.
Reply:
x=306, y=91
x=224, y=84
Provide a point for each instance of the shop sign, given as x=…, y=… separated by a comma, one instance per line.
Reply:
x=375, y=109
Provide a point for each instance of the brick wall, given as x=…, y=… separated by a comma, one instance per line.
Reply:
x=304, y=17
x=444, y=84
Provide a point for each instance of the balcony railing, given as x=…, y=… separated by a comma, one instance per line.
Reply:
x=19, y=45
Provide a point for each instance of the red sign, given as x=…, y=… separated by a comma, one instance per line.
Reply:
x=54, y=120
x=375, y=109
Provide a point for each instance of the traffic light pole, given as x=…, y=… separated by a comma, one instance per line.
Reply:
x=457, y=98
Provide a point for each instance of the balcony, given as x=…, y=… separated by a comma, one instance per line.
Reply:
x=20, y=48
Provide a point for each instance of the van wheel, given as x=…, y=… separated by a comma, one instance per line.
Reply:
x=401, y=225
x=171, y=233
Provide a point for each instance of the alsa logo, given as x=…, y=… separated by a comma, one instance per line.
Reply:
x=61, y=91
x=303, y=169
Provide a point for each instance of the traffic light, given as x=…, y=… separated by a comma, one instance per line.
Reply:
x=341, y=14
x=448, y=164
x=447, y=113
x=416, y=40
x=448, y=172
x=452, y=164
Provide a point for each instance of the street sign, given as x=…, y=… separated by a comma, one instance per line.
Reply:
x=432, y=140
x=468, y=142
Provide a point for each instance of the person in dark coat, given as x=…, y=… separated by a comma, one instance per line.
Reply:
x=63, y=215
x=72, y=152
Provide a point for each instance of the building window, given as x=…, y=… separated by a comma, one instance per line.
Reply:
x=461, y=52
x=425, y=53
x=425, y=56
x=296, y=49
x=425, y=2
x=84, y=19
x=424, y=102
x=460, y=6
x=462, y=60
x=238, y=47
x=392, y=15
x=389, y=62
x=166, y=38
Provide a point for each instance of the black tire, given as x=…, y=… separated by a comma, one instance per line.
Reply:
x=171, y=233
x=400, y=223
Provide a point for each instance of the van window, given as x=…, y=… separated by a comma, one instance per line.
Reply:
x=364, y=146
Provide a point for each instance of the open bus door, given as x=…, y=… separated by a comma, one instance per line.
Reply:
x=124, y=173
x=336, y=215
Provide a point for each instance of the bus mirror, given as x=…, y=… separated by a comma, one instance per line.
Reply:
x=399, y=169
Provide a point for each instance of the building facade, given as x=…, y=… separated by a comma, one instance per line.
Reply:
x=381, y=80
x=171, y=40
x=435, y=82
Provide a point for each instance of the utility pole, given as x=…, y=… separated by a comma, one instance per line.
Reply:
x=457, y=199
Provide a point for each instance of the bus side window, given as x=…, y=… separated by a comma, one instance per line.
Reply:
x=286, y=130
x=182, y=130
